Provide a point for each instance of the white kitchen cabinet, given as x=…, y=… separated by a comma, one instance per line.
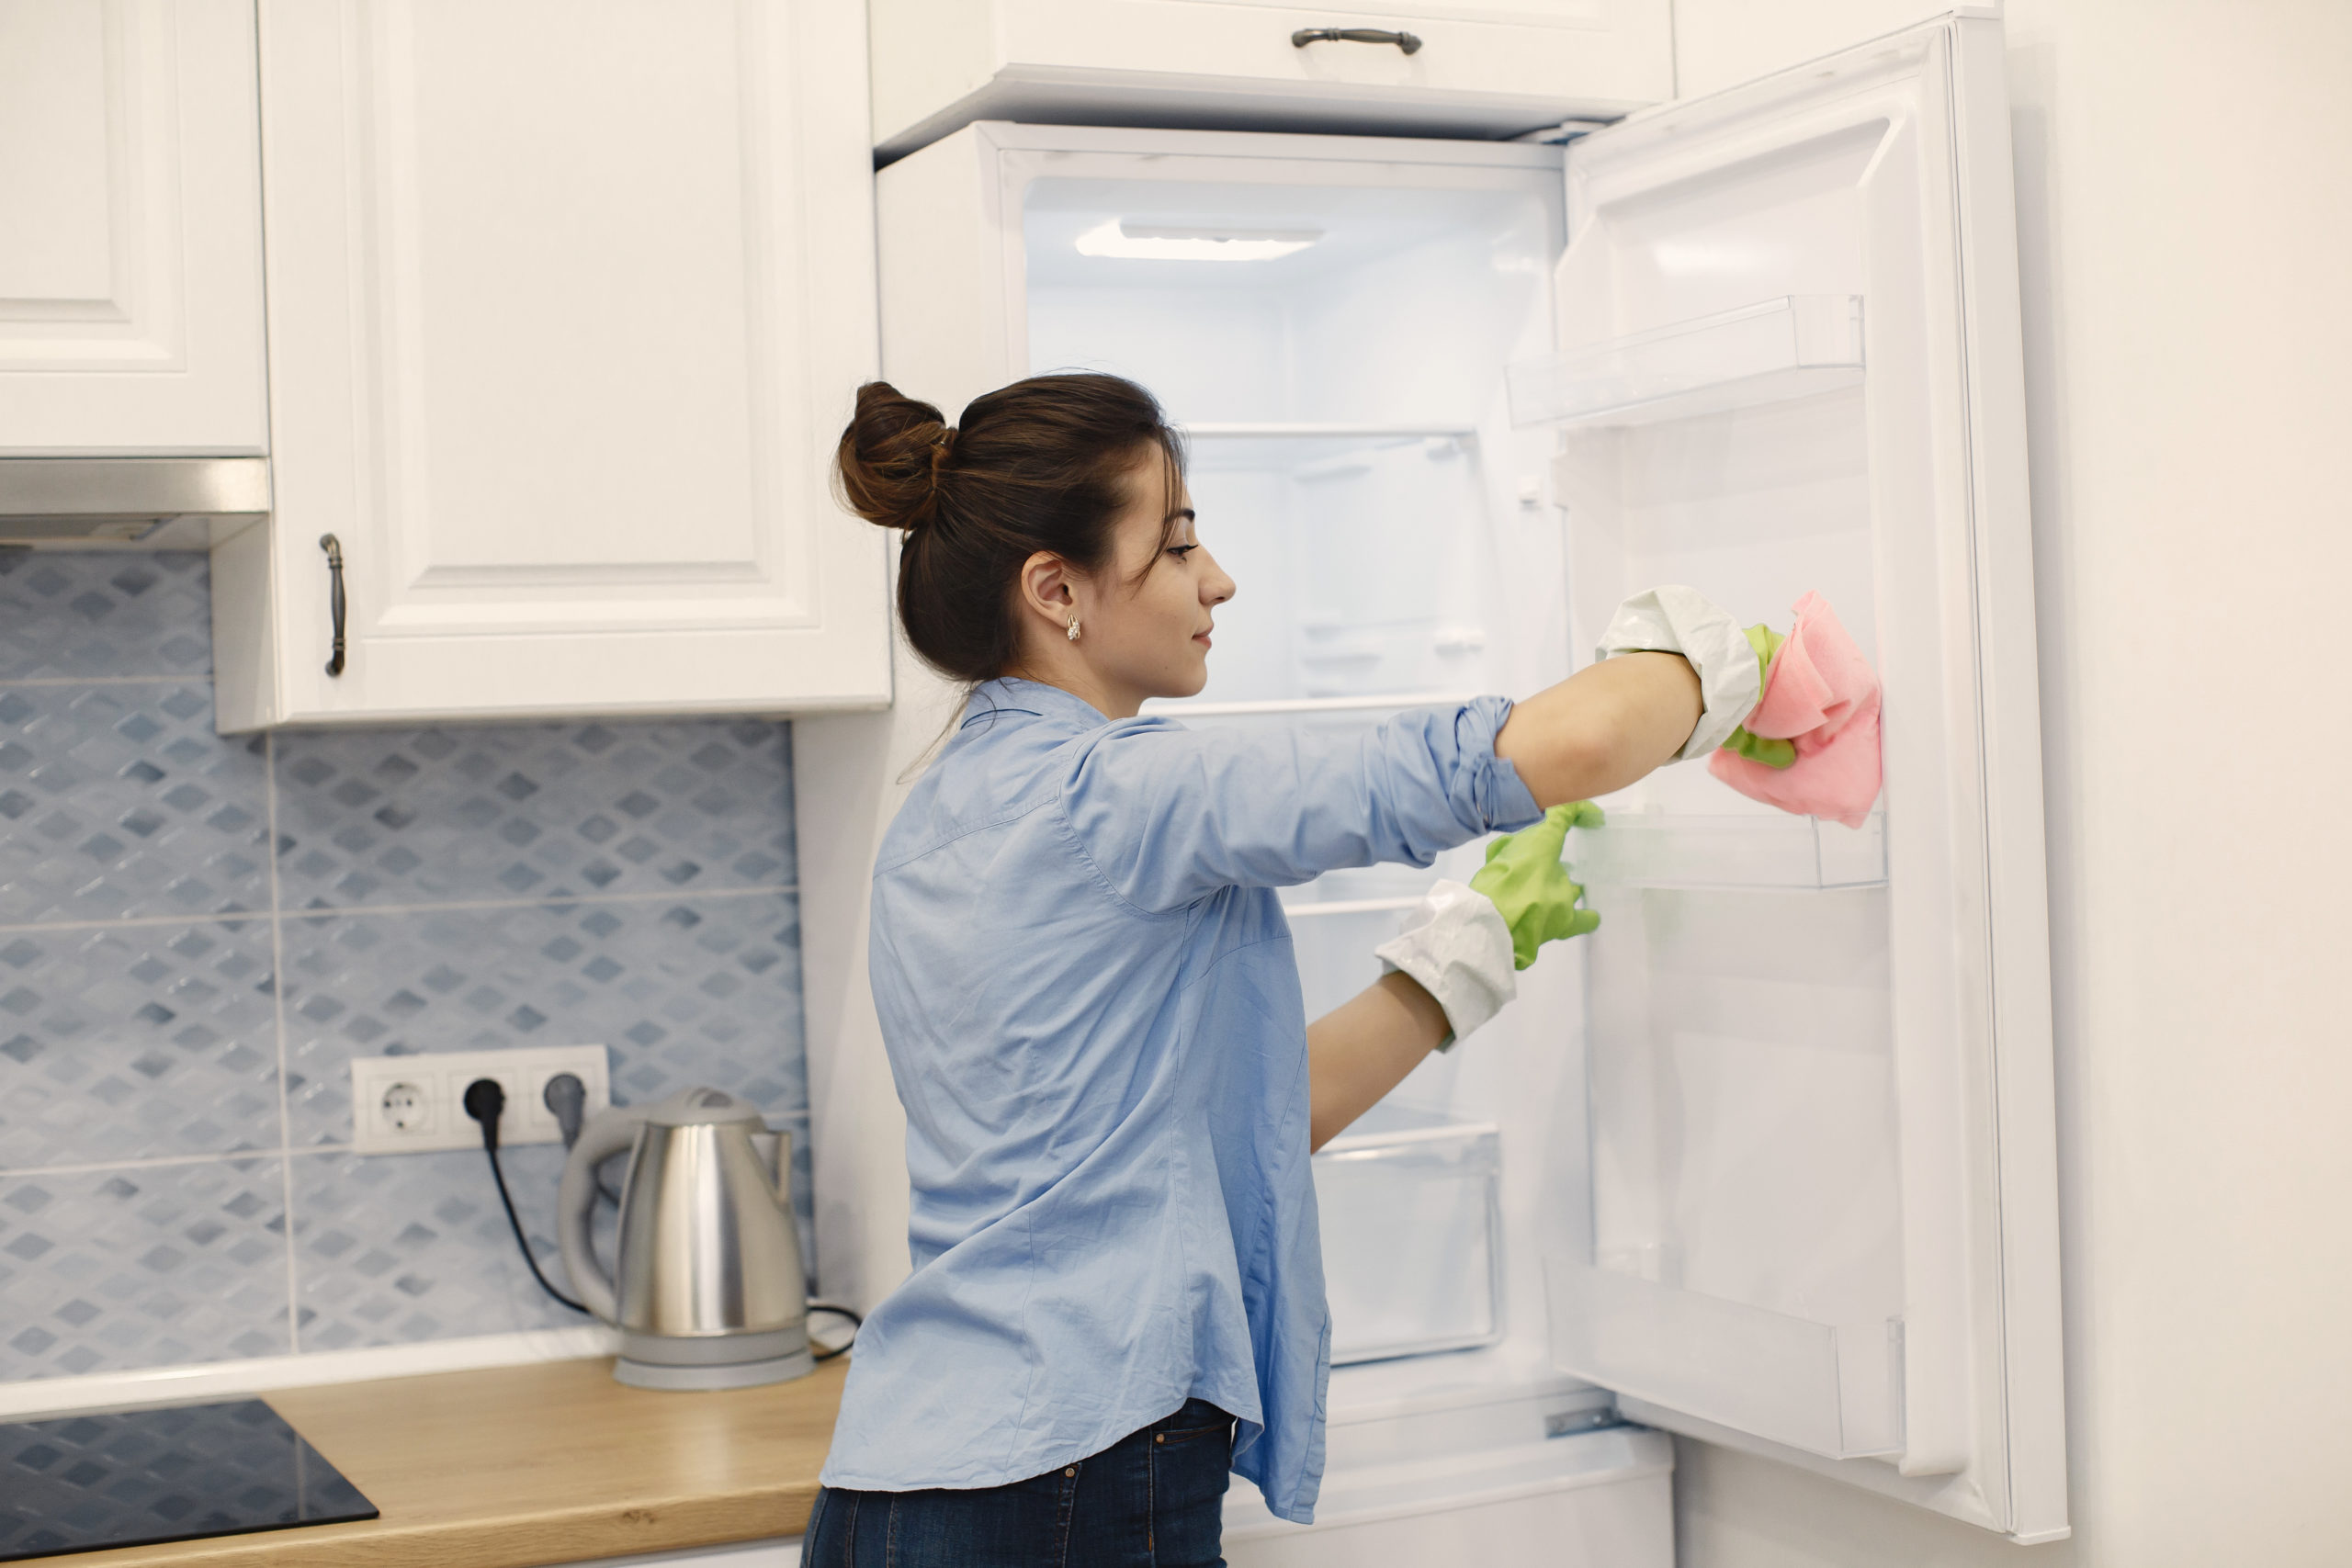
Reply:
x=566, y=308
x=1482, y=68
x=130, y=313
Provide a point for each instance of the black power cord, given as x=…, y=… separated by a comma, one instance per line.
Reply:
x=565, y=1095
x=485, y=1102
x=856, y=1322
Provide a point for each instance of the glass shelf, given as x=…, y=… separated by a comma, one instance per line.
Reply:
x=1375, y=702
x=1310, y=430
x=1641, y=850
x=1769, y=351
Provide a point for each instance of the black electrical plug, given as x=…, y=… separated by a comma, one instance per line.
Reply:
x=486, y=1102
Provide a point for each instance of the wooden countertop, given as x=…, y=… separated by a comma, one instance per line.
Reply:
x=549, y=1463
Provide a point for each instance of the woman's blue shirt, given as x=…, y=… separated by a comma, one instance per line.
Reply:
x=1092, y=1013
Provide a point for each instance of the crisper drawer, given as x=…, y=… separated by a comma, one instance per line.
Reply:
x=1413, y=1237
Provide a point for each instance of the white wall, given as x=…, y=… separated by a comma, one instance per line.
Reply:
x=2184, y=174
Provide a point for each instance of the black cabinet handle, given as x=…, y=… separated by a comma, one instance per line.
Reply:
x=333, y=548
x=1409, y=43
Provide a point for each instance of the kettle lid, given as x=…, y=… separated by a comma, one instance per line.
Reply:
x=700, y=1108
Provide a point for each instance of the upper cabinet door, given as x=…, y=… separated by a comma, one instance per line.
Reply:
x=129, y=229
x=567, y=308
x=1488, y=68
x=1824, y=1193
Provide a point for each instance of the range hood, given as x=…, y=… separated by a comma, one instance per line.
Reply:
x=124, y=499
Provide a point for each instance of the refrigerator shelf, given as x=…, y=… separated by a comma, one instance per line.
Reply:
x=1644, y=850
x=1332, y=906
x=1769, y=351
x=1281, y=431
x=1186, y=708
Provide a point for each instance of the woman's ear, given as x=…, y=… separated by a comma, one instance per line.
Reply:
x=1045, y=589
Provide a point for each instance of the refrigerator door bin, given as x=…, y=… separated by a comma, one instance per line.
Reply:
x=1795, y=347
x=1412, y=1234
x=1829, y=1390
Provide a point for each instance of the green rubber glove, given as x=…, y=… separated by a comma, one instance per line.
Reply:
x=1527, y=884
x=1757, y=748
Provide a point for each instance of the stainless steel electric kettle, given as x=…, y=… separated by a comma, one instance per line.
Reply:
x=706, y=1286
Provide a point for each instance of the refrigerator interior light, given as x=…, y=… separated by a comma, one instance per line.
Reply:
x=1161, y=242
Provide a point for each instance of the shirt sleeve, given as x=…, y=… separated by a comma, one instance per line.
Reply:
x=1169, y=815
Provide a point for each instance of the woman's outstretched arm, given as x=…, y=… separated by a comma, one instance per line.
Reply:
x=1602, y=728
x=1362, y=1048
x=1599, y=730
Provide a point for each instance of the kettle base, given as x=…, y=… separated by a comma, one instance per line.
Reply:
x=729, y=1360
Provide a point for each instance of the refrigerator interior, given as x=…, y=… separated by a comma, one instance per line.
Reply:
x=1335, y=353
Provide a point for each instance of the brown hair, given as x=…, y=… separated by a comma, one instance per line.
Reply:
x=1041, y=465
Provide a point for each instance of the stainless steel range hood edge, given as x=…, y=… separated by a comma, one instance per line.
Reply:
x=123, y=500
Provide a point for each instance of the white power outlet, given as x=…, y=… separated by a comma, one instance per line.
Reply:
x=416, y=1104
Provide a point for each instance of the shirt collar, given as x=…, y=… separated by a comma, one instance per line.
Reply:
x=1012, y=694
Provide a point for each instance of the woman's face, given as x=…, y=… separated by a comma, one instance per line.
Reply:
x=1145, y=622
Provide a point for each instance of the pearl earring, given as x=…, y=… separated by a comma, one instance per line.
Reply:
x=1073, y=628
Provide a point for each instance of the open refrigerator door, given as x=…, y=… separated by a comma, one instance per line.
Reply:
x=1823, y=1197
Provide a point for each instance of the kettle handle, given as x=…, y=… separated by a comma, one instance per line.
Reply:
x=608, y=1132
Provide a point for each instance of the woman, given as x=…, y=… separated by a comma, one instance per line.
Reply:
x=1092, y=1013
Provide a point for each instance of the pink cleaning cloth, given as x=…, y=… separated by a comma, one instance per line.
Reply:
x=1822, y=697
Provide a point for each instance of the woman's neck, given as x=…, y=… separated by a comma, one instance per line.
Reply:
x=1070, y=672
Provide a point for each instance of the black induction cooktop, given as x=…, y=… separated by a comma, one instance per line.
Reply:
x=134, y=1477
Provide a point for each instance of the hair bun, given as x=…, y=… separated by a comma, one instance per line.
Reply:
x=892, y=460
x=942, y=451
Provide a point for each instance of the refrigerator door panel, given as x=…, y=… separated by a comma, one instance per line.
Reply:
x=1822, y=1190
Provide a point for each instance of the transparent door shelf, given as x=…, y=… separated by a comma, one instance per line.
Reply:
x=1411, y=1213
x=1769, y=351
x=1640, y=850
x=1829, y=1390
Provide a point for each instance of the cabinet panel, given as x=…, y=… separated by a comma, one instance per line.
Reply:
x=567, y=309
x=1488, y=68
x=130, y=256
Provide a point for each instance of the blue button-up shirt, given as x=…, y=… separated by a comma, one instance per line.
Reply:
x=1092, y=1013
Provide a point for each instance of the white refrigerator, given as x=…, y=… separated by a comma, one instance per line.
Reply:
x=1768, y=1160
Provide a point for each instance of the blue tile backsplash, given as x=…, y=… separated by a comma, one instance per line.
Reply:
x=180, y=996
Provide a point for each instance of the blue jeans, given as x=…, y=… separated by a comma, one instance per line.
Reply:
x=1153, y=1499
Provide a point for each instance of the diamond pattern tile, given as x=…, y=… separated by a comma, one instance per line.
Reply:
x=439, y=816
x=142, y=1267
x=120, y=801
x=119, y=1041
x=389, y=1250
x=97, y=612
x=693, y=992
x=136, y=1041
